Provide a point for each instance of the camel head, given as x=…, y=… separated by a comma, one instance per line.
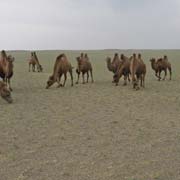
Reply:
x=40, y=68
x=10, y=59
x=116, y=77
x=50, y=82
x=108, y=60
x=5, y=92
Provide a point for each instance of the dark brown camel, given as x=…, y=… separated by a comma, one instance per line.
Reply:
x=61, y=67
x=159, y=65
x=6, y=68
x=84, y=66
x=124, y=69
x=138, y=71
x=34, y=62
x=5, y=92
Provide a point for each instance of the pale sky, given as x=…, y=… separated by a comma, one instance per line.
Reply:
x=89, y=24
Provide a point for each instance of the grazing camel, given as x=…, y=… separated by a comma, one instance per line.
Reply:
x=138, y=71
x=5, y=92
x=6, y=68
x=61, y=67
x=84, y=66
x=159, y=65
x=124, y=69
x=34, y=62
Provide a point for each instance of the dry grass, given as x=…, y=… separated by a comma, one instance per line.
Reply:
x=93, y=131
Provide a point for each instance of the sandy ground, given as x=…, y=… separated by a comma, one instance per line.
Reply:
x=92, y=131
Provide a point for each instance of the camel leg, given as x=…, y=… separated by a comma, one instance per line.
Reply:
x=136, y=84
x=125, y=80
x=170, y=73
x=70, y=72
x=29, y=67
x=165, y=74
x=87, y=76
x=129, y=78
x=78, y=78
x=83, y=78
x=143, y=79
x=65, y=78
x=59, y=81
x=159, y=75
x=33, y=68
x=9, y=84
x=92, y=80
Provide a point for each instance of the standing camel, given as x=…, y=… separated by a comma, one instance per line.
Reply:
x=159, y=65
x=124, y=69
x=6, y=68
x=138, y=71
x=34, y=62
x=84, y=66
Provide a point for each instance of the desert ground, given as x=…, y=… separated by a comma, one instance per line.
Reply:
x=94, y=131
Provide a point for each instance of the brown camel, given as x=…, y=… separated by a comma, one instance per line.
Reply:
x=84, y=66
x=61, y=67
x=5, y=92
x=159, y=65
x=138, y=71
x=6, y=68
x=114, y=65
x=34, y=62
x=124, y=69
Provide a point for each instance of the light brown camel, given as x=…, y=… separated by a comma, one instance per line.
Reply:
x=34, y=62
x=124, y=69
x=84, y=66
x=138, y=71
x=159, y=65
x=61, y=67
x=6, y=68
x=5, y=92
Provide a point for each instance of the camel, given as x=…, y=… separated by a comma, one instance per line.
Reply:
x=6, y=68
x=5, y=92
x=114, y=65
x=61, y=67
x=159, y=65
x=34, y=62
x=138, y=71
x=124, y=69
x=84, y=66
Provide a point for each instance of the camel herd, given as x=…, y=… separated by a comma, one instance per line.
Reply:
x=131, y=68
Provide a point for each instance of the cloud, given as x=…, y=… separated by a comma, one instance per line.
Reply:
x=89, y=24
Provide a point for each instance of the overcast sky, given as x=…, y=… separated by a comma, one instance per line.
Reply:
x=89, y=24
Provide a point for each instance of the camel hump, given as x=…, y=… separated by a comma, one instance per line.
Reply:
x=160, y=60
x=139, y=56
x=3, y=54
x=61, y=56
x=134, y=55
